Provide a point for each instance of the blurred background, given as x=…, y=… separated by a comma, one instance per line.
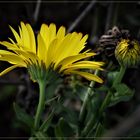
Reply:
x=89, y=17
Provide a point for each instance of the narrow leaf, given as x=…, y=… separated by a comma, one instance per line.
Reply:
x=23, y=116
x=44, y=127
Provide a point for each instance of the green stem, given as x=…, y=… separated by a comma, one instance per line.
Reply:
x=89, y=125
x=117, y=81
x=41, y=104
x=119, y=76
x=107, y=98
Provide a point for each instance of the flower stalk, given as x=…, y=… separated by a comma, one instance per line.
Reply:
x=42, y=85
x=119, y=75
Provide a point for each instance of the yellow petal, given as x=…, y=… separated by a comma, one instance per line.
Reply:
x=4, y=52
x=10, y=46
x=88, y=76
x=28, y=56
x=44, y=31
x=73, y=43
x=71, y=59
x=61, y=32
x=84, y=65
x=51, y=52
x=67, y=47
x=13, y=59
x=52, y=31
x=81, y=44
x=41, y=51
x=12, y=41
x=60, y=53
x=32, y=38
x=21, y=35
x=25, y=35
x=17, y=37
x=8, y=70
x=91, y=62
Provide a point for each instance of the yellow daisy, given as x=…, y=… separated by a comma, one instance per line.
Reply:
x=54, y=51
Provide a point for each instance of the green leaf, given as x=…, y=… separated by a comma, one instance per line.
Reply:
x=50, y=90
x=63, y=129
x=123, y=93
x=111, y=77
x=23, y=116
x=40, y=136
x=58, y=133
x=81, y=91
x=99, y=130
x=102, y=88
x=44, y=127
x=93, y=106
x=70, y=115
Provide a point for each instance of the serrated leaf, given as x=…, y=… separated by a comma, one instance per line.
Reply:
x=23, y=116
x=123, y=93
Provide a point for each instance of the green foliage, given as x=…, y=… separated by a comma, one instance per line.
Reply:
x=122, y=93
x=50, y=90
x=111, y=76
x=23, y=116
x=80, y=91
x=67, y=113
x=63, y=129
x=7, y=91
x=93, y=106
x=99, y=130
x=44, y=127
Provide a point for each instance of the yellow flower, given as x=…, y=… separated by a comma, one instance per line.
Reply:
x=128, y=52
x=54, y=51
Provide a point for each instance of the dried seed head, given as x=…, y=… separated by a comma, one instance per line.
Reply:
x=109, y=41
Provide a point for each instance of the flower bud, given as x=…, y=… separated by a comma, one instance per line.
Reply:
x=127, y=52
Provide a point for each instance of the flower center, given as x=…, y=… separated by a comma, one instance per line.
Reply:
x=130, y=45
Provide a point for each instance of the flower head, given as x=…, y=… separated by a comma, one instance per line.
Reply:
x=128, y=52
x=54, y=52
